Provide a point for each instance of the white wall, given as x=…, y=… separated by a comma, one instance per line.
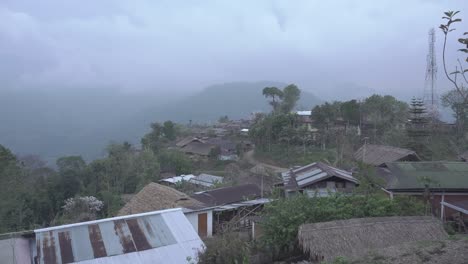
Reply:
x=15, y=251
x=193, y=219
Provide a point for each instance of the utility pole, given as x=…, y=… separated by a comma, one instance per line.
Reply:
x=364, y=149
x=261, y=188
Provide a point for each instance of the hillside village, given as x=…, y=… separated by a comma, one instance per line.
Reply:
x=263, y=180
x=370, y=180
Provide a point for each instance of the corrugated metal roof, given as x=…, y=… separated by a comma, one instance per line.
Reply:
x=312, y=173
x=207, y=180
x=243, y=204
x=177, y=179
x=15, y=250
x=156, y=237
x=228, y=195
x=304, y=113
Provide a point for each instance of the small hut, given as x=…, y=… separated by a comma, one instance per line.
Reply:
x=155, y=197
x=356, y=237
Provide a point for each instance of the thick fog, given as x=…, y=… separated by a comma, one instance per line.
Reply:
x=186, y=45
x=76, y=74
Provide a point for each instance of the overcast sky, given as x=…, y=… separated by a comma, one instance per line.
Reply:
x=137, y=45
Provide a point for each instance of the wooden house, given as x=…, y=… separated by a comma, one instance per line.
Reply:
x=317, y=179
x=435, y=181
x=155, y=197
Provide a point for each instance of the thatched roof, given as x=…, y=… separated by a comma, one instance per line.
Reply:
x=356, y=237
x=155, y=197
x=198, y=148
x=378, y=155
x=187, y=140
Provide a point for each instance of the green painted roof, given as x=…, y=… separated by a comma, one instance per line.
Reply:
x=439, y=174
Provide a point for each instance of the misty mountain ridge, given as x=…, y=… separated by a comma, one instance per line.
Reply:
x=58, y=122
x=236, y=100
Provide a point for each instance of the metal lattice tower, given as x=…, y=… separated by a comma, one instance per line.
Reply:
x=431, y=98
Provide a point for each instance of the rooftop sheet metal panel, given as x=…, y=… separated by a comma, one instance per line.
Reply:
x=15, y=251
x=121, y=240
x=308, y=174
x=314, y=172
x=243, y=204
x=312, y=179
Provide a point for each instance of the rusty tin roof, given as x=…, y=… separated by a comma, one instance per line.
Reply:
x=157, y=237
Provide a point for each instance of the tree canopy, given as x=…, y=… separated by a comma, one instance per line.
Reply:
x=284, y=100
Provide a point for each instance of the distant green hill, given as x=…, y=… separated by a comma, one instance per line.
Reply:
x=236, y=100
x=54, y=123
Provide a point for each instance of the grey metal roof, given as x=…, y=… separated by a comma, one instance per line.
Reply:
x=157, y=237
x=228, y=195
x=15, y=250
x=242, y=204
x=207, y=180
x=378, y=155
x=312, y=173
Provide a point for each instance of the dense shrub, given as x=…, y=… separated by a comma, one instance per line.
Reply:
x=225, y=248
x=283, y=217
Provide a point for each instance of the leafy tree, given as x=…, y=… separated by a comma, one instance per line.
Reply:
x=276, y=95
x=326, y=114
x=450, y=17
x=12, y=192
x=153, y=140
x=350, y=111
x=458, y=77
x=284, y=100
x=159, y=135
x=175, y=161
x=147, y=168
x=169, y=130
x=291, y=94
x=384, y=111
x=455, y=101
x=71, y=163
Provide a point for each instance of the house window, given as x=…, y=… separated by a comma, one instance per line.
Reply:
x=321, y=185
x=339, y=184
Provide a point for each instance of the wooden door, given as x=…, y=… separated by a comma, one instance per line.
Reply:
x=203, y=225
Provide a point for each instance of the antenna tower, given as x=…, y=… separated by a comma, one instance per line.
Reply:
x=430, y=87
